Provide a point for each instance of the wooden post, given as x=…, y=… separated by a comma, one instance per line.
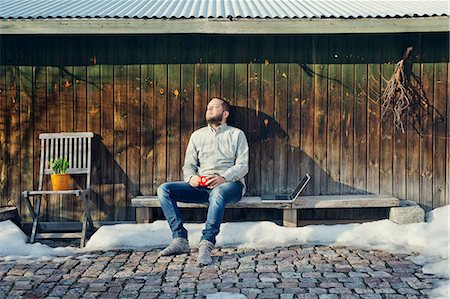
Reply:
x=144, y=215
x=290, y=217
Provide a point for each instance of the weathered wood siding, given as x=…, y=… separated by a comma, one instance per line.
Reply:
x=307, y=103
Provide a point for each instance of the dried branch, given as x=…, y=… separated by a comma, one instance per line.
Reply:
x=405, y=98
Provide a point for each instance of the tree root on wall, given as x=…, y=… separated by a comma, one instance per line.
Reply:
x=405, y=98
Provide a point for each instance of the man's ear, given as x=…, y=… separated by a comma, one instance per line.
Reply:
x=226, y=114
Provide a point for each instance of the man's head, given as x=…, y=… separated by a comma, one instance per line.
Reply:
x=217, y=111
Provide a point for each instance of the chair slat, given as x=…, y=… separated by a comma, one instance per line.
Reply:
x=84, y=152
x=66, y=149
x=42, y=165
x=47, y=153
x=75, y=156
x=79, y=141
x=61, y=148
x=70, y=171
x=70, y=152
x=66, y=134
x=79, y=153
x=88, y=179
x=56, y=148
x=52, y=149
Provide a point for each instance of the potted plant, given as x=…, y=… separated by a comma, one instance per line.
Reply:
x=60, y=179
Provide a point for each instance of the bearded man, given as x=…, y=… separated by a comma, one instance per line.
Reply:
x=219, y=153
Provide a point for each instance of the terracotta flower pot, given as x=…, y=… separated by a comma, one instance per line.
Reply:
x=60, y=181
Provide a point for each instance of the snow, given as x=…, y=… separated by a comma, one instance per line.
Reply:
x=13, y=245
x=430, y=240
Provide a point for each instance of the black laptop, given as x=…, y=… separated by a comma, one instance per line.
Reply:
x=288, y=197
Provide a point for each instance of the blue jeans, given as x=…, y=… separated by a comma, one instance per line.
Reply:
x=171, y=192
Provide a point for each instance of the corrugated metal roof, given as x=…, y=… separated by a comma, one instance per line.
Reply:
x=183, y=9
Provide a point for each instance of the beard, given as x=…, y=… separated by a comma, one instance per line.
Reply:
x=215, y=120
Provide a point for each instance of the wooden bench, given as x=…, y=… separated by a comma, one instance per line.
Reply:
x=142, y=203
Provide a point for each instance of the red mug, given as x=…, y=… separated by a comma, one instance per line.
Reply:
x=202, y=179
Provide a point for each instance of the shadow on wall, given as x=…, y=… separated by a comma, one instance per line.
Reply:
x=111, y=188
x=277, y=162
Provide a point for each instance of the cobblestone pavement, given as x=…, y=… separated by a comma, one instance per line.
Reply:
x=295, y=272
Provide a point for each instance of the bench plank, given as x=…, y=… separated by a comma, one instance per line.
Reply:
x=346, y=201
x=43, y=236
x=245, y=202
x=304, y=202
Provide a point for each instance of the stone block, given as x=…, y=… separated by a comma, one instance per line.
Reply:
x=10, y=213
x=407, y=212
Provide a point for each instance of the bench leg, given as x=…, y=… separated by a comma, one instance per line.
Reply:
x=26, y=199
x=144, y=215
x=36, y=215
x=86, y=219
x=290, y=217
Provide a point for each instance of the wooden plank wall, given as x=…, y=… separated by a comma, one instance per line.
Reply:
x=307, y=103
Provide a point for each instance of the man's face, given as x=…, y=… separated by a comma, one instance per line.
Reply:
x=214, y=112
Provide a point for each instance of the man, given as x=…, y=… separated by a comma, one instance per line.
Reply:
x=219, y=152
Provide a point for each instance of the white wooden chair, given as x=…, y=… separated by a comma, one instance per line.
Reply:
x=76, y=147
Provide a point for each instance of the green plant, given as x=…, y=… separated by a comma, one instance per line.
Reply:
x=59, y=166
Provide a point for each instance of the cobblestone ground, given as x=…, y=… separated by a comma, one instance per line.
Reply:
x=293, y=272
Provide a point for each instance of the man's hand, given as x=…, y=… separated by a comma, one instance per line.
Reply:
x=214, y=181
x=194, y=181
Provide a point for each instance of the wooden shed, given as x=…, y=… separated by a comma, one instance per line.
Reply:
x=305, y=78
